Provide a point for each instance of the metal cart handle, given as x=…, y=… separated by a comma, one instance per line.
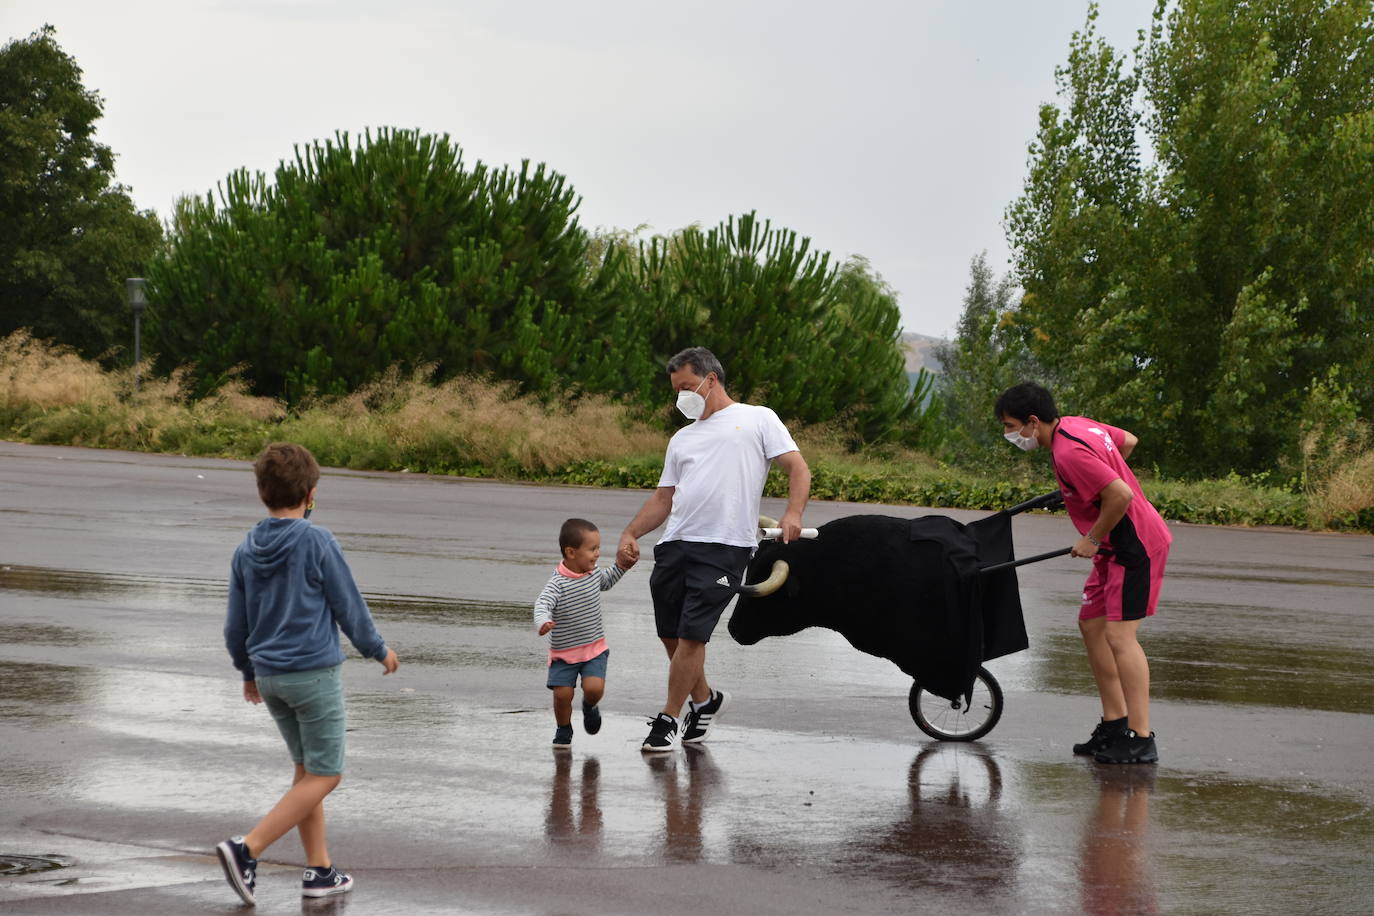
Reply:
x=1053, y=500
x=1012, y=564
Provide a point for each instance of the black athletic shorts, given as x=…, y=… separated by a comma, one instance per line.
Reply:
x=692, y=583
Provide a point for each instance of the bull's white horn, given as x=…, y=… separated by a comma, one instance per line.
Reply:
x=768, y=586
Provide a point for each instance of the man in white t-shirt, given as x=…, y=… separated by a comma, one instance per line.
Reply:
x=713, y=476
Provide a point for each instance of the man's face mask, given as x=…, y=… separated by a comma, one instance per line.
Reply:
x=691, y=404
x=1024, y=443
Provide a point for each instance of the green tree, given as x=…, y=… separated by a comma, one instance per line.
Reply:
x=986, y=357
x=390, y=251
x=70, y=235
x=816, y=342
x=1197, y=298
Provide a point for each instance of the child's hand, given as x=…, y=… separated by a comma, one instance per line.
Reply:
x=545, y=627
x=250, y=692
x=391, y=662
x=625, y=560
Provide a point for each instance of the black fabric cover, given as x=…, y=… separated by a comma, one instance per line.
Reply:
x=907, y=590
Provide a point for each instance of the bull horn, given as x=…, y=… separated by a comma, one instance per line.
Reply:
x=766, y=522
x=768, y=586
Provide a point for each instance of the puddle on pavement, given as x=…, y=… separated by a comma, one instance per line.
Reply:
x=171, y=592
x=37, y=691
x=12, y=864
x=421, y=609
x=124, y=588
x=1229, y=671
x=41, y=634
x=1278, y=575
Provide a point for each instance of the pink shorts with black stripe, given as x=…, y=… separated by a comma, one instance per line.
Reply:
x=1120, y=592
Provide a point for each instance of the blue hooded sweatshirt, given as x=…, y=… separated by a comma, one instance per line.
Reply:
x=290, y=592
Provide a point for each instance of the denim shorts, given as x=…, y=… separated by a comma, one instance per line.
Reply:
x=309, y=710
x=564, y=674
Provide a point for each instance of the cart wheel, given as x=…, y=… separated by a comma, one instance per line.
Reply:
x=947, y=720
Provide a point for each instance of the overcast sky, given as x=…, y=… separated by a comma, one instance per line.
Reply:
x=893, y=130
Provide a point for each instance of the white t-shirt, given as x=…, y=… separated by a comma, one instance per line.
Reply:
x=718, y=466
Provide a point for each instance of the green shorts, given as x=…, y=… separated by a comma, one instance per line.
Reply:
x=309, y=710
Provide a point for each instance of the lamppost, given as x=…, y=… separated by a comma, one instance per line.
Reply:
x=134, y=287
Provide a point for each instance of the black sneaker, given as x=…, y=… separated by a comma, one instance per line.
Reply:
x=662, y=735
x=325, y=883
x=240, y=869
x=591, y=719
x=699, y=721
x=1129, y=748
x=562, y=736
x=1103, y=735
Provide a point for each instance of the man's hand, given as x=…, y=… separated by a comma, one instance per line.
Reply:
x=791, y=526
x=627, y=554
x=390, y=663
x=545, y=627
x=250, y=692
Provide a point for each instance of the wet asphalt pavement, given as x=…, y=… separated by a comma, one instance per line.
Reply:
x=126, y=750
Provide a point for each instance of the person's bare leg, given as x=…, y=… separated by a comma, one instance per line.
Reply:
x=686, y=675
x=593, y=689
x=562, y=705
x=311, y=831
x=700, y=692
x=1102, y=661
x=1133, y=672
x=306, y=795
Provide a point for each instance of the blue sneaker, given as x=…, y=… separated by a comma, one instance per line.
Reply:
x=562, y=736
x=591, y=719
x=325, y=882
x=240, y=869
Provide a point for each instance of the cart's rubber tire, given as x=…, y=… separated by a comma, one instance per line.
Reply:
x=944, y=720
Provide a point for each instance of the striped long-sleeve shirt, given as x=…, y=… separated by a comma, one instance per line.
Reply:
x=573, y=603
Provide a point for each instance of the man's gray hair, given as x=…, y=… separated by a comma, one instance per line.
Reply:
x=702, y=361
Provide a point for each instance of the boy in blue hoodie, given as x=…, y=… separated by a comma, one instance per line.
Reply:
x=290, y=592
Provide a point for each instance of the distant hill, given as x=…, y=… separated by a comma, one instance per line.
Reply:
x=920, y=353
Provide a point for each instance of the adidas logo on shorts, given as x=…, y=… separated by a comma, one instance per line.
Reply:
x=723, y=581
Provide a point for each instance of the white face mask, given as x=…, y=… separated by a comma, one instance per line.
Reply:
x=691, y=404
x=1024, y=443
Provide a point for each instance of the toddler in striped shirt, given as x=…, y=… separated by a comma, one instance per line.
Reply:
x=569, y=608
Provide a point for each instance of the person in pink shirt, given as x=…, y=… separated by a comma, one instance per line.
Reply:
x=568, y=611
x=1128, y=543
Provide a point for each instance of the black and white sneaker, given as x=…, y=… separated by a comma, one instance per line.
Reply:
x=325, y=882
x=562, y=736
x=663, y=734
x=591, y=719
x=240, y=869
x=699, y=720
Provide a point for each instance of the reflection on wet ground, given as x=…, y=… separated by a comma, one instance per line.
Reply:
x=574, y=825
x=1116, y=870
x=1226, y=670
x=953, y=831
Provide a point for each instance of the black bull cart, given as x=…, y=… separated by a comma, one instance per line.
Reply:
x=934, y=596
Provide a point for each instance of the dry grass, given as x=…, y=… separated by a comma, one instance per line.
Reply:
x=465, y=424
x=39, y=375
x=1340, y=476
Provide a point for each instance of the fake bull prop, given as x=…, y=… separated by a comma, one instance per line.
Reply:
x=932, y=595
